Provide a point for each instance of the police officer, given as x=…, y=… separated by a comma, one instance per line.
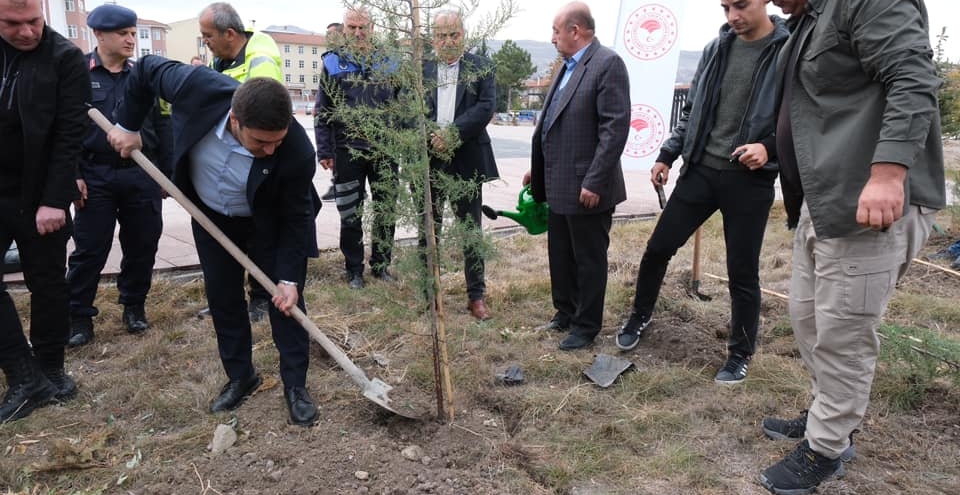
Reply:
x=357, y=73
x=113, y=190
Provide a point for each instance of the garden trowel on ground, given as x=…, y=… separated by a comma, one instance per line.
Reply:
x=531, y=214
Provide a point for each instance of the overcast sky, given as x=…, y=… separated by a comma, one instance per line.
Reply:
x=701, y=18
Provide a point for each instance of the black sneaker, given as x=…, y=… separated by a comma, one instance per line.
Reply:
x=734, y=370
x=628, y=337
x=800, y=472
x=794, y=429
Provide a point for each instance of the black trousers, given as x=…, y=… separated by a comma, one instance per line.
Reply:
x=223, y=281
x=349, y=183
x=124, y=195
x=466, y=209
x=577, y=248
x=43, y=261
x=743, y=198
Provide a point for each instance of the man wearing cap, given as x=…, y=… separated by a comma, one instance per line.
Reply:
x=42, y=119
x=113, y=190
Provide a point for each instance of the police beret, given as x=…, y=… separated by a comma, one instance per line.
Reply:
x=111, y=18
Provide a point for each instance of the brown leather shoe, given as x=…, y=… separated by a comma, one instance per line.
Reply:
x=478, y=309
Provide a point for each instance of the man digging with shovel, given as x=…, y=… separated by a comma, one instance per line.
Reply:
x=248, y=166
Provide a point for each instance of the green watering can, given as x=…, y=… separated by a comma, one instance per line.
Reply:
x=530, y=214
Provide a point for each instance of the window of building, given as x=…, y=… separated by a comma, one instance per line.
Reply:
x=301, y=77
x=314, y=50
x=83, y=34
x=71, y=5
x=157, y=34
x=144, y=52
x=302, y=65
x=72, y=31
x=158, y=52
x=316, y=79
x=300, y=49
x=286, y=48
x=315, y=64
x=144, y=34
x=286, y=63
x=286, y=77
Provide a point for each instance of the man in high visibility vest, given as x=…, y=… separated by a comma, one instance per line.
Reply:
x=238, y=53
x=241, y=55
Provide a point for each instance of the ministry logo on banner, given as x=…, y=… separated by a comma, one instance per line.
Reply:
x=646, y=39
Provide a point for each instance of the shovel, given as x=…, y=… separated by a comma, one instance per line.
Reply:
x=375, y=390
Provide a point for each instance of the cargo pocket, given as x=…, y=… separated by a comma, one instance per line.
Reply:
x=869, y=284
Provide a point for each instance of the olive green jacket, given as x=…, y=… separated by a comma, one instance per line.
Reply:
x=864, y=92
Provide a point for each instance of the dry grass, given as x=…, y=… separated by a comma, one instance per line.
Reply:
x=141, y=418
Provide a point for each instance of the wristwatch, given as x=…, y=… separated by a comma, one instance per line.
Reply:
x=287, y=282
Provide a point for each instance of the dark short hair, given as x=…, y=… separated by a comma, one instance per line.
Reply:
x=337, y=26
x=225, y=17
x=262, y=103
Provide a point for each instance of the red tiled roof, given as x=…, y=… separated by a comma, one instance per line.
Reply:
x=297, y=39
x=147, y=22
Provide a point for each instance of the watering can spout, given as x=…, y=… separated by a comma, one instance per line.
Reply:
x=530, y=214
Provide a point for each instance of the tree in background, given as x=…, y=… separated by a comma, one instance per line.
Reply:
x=513, y=67
x=399, y=132
x=950, y=91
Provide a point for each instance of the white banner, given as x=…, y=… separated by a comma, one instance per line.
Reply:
x=646, y=39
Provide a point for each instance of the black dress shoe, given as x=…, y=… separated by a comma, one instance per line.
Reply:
x=135, y=318
x=575, y=341
x=234, y=393
x=303, y=411
x=81, y=331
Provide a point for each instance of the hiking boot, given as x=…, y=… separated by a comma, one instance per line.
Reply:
x=258, y=309
x=81, y=331
x=66, y=387
x=794, y=429
x=384, y=276
x=330, y=195
x=628, y=337
x=734, y=370
x=800, y=472
x=27, y=389
x=135, y=318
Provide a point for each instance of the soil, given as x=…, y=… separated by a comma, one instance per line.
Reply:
x=148, y=432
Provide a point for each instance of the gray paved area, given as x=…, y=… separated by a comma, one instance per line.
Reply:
x=511, y=146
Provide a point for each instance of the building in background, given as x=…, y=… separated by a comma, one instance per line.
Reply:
x=300, y=50
x=69, y=18
x=184, y=43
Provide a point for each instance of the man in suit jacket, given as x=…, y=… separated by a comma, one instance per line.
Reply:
x=576, y=170
x=249, y=166
x=462, y=104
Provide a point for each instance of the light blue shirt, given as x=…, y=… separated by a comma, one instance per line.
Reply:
x=571, y=64
x=219, y=167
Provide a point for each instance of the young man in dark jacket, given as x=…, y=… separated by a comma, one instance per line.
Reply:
x=725, y=136
x=42, y=124
x=248, y=165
